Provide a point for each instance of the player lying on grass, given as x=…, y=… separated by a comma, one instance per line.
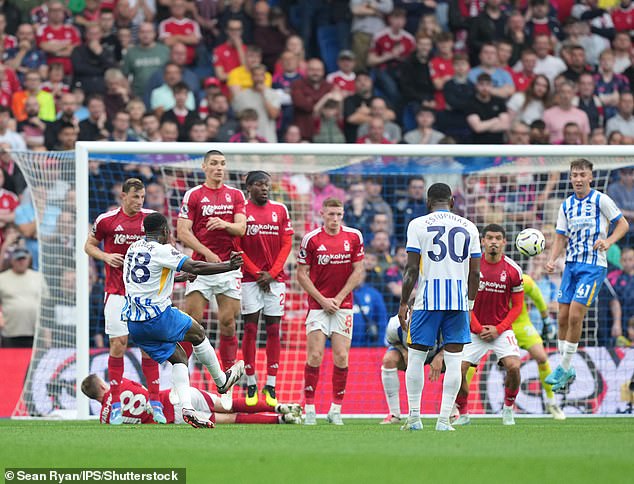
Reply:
x=395, y=359
x=156, y=326
x=528, y=339
x=136, y=410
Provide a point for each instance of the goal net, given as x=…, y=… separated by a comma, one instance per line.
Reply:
x=383, y=188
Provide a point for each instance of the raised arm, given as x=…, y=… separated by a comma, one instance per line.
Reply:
x=202, y=268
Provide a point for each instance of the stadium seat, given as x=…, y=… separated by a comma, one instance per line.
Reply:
x=328, y=46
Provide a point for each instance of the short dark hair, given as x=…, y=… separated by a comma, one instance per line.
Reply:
x=581, y=163
x=132, y=184
x=494, y=228
x=439, y=192
x=248, y=113
x=154, y=223
x=180, y=87
x=255, y=176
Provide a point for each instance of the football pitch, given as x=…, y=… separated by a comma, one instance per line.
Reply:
x=535, y=450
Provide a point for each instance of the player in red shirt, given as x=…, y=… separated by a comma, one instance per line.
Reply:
x=266, y=245
x=117, y=230
x=211, y=221
x=134, y=397
x=180, y=29
x=330, y=264
x=58, y=39
x=499, y=302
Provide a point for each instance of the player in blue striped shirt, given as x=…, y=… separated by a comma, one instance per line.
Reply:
x=583, y=224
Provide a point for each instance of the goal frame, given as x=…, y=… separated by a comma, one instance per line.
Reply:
x=85, y=149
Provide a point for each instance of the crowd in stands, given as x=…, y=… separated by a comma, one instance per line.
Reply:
x=321, y=71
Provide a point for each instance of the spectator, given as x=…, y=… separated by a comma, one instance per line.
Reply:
x=282, y=84
x=616, y=138
x=295, y=44
x=179, y=114
x=33, y=87
x=9, y=84
x=323, y=189
x=96, y=127
x=230, y=54
x=622, y=47
x=376, y=130
x=144, y=58
x=212, y=86
x=609, y=85
x=487, y=116
x=121, y=127
x=109, y=39
x=394, y=279
x=306, y=93
x=55, y=84
x=516, y=35
x=219, y=108
x=623, y=121
x=599, y=20
x=519, y=133
x=373, y=273
x=90, y=62
x=249, y=125
x=367, y=19
x=541, y=22
x=264, y=100
x=572, y=134
x=151, y=127
x=486, y=28
x=588, y=101
x=21, y=290
x=576, y=63
x=597, y=137
x=199, y=133
x=329, y=122
x=58, y=39
x=236, y=9
x=523, y=78
x=89, y=15
x=136, y=109
x=241, y=77
x=25, y=56
x=345, y=76
x=529, y=105
x=410, y=207
x=538, y=133
x=623, y=283
x=8, y=137
x=381, y=222
x=623, y=16
x=8, y=203
x=389, y=49
x=458, y=92
x=168, y=131
x=293, y=134
x=416, y=85
x=547, y=64
x=379, y=109
x=162, y=98
x=178, y=55
x=356, y=108
x=563, y=112
x=502, y=82
x=424, y=133
x=373, y=188
x=622, y=192
x=180, y=29
x=381, y=244
x=370, y=315
x=441, y=67
x=358, y=213
x=32, y=128
x=609, y=319
x=12, y=15
x=269, y=31
x=117, y=93
x=66, y=138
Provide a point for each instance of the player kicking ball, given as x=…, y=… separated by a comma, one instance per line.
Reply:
x=135, y=406
x=395, y=360
x=499, y=302
x=156, y=326
x=583, y=223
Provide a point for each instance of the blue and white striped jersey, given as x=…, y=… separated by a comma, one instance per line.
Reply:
x=148, y=275
x=394, y=333
x=584, y=221
x=445, y=242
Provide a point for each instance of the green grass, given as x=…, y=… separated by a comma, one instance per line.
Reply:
x=535, y=450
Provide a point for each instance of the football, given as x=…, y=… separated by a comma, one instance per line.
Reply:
x=530, y=242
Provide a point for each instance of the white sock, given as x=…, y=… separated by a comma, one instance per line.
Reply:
x=335, y=408
x=560, y=346
x=207, y=356
x=180, y=380
x=551, y=400
x=309, y=408
x=270, y=380
x=415, y=380
x=569, y=351
x=451, y=384
x=251, y=380
x=391, y=388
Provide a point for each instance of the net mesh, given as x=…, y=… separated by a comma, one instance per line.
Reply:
x=382, y=194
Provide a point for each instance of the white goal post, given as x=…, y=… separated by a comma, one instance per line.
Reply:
x=622, y=156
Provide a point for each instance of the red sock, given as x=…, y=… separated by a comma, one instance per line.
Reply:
x=256, y=418
x=248, y=347
x=151, y=373
x=228, y=350
x=188, y=347
x=311, y=378
x=339, y=378
x=272, y=348
x=239, y=406
x=462, y=402
x=115, y=376
x=509, y=396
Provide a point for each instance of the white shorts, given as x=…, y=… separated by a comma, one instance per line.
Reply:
x=503, y=346
x=199, y=402
x=228, y=283
x=113, y=306
x=255, y=299
x=339, y=322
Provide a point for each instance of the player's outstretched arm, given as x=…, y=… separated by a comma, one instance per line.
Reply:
x=410, y=277
x=201, y=268
x=187, y=237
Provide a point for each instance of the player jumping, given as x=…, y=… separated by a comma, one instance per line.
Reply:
x=266, y=245
x=443, y=255
x=135, y=401
x=156, y=326
x=329, y=267
x=211, y=221
x=118, y=229
x=584, y=221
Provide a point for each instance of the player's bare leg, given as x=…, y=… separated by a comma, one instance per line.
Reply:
x=415, y=382
x=570, y=320
x=451, y=383
x=248, y=352
x=392, y=362
x=315, y=344
x=228, y=311
x=340, y=351
x=538, y=353
x=273, y=349
x=118, y=346
x=195, y=304
x=511, y=387
x=462, y=399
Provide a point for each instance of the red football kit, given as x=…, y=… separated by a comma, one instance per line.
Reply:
x=134, y=399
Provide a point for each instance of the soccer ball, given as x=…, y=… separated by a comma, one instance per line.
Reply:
x=530, y=242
